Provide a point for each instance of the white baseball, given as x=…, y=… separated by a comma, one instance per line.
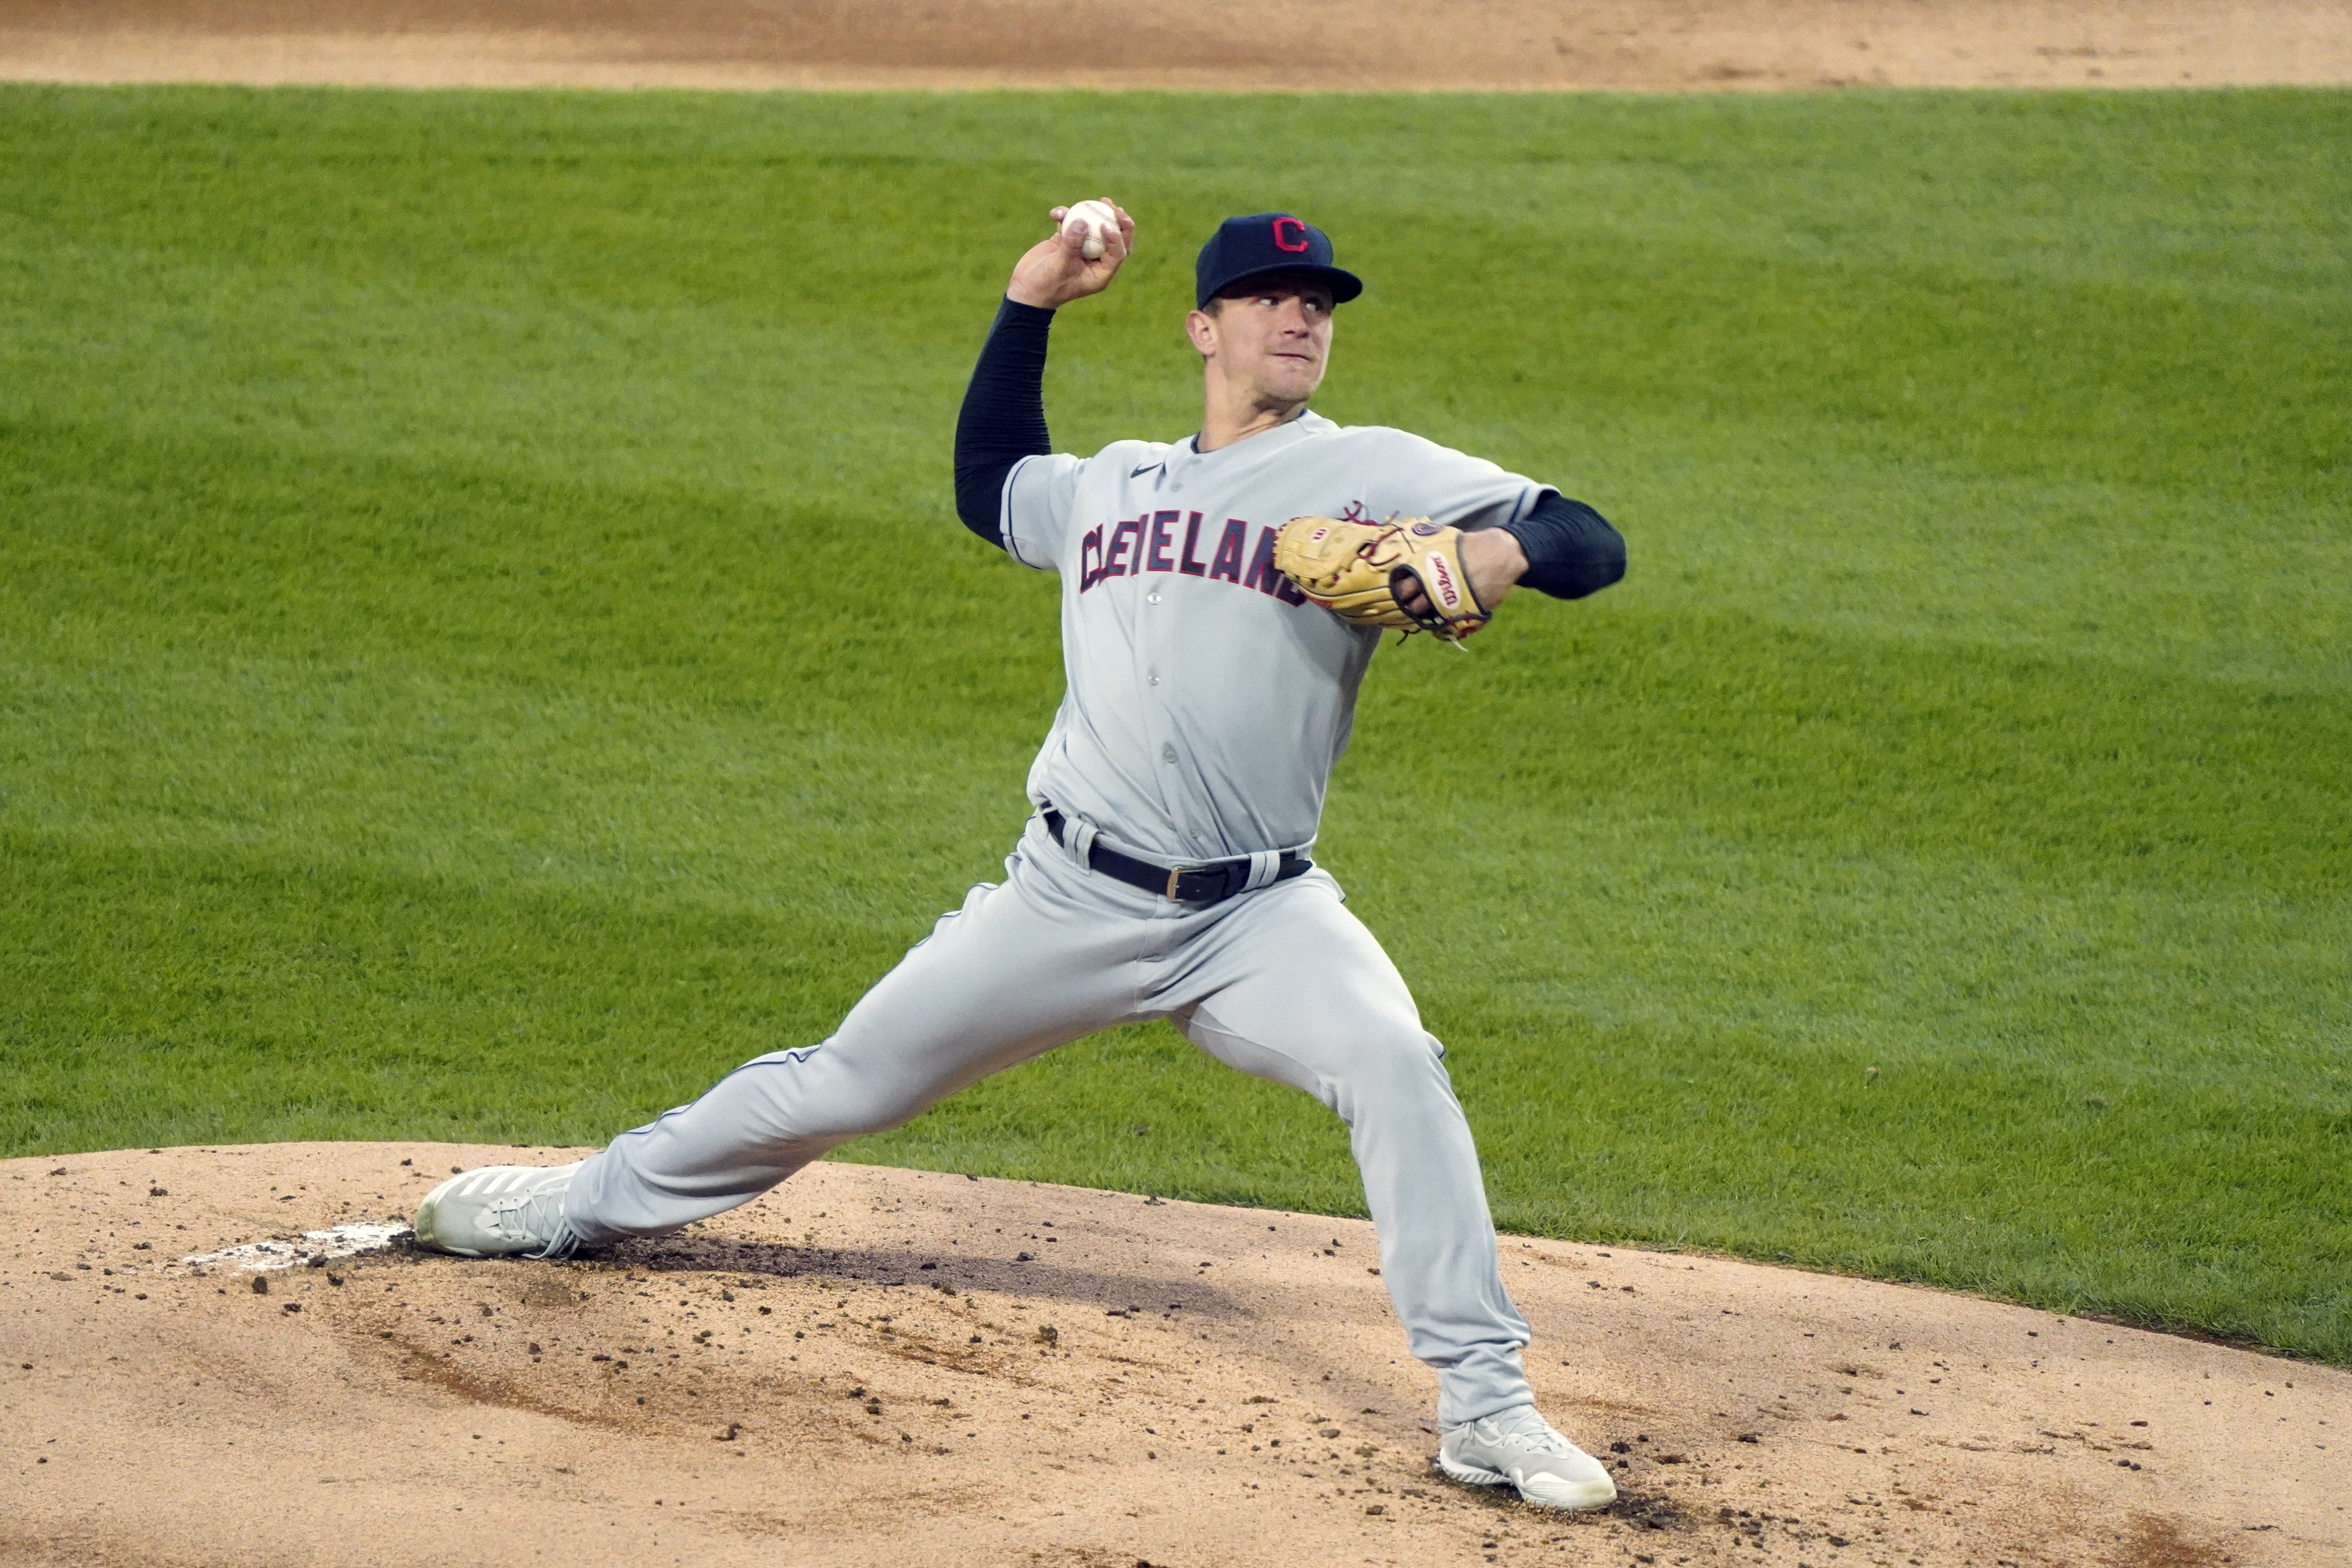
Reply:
x=1096, y=220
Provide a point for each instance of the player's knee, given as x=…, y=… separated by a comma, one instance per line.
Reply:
x=855, y=1116
x=815, y=1102
x=1390, y=1065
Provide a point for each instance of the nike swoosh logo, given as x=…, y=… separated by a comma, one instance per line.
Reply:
x=1145, y=470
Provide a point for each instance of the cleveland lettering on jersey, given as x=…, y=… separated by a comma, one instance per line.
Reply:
x=1098, y=565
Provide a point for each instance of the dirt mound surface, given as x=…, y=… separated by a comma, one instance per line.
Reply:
x=217, y=1355
x=1285, y=45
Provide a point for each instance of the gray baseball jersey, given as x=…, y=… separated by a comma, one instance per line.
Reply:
x=1208, y=700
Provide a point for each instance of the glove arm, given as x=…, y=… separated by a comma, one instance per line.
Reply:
x=1003, y=416
x=1571, y=550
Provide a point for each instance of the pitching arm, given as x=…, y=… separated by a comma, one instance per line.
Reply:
x=1003, y=416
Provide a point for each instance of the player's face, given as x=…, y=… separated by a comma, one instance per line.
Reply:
x=1273, y=338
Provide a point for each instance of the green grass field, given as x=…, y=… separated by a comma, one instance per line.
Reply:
x=484, y=645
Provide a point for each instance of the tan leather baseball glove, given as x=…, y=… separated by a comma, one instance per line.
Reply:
x=1352, y=569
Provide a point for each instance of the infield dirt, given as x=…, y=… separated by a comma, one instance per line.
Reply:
x=882, y=1367
x=1281, y=45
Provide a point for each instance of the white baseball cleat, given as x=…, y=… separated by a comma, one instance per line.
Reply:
x=499, y=1211
x=1519, y=1447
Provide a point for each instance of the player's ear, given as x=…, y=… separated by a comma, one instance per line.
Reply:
x=1202, y=328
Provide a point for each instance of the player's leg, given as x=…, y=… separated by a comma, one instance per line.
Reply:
x=1299, y=991
x=1353, y=1039
x=1022, y=967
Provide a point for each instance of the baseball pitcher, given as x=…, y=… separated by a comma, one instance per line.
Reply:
x=1221, y=597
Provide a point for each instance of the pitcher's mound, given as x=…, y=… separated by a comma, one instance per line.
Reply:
x=216, y=1355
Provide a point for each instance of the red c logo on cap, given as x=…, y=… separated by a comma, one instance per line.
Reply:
x=1283, y=243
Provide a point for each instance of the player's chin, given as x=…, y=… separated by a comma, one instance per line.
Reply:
x=1294, y=380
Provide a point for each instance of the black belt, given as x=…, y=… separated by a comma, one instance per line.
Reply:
x=1211, y=884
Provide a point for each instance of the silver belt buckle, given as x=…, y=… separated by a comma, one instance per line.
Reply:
x=1174, y=872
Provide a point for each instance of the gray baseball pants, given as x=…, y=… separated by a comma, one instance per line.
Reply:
x=1282, y=983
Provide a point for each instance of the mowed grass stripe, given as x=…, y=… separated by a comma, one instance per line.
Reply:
x=487, y=647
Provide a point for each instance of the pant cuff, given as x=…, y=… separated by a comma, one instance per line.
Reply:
x=1486, y=1383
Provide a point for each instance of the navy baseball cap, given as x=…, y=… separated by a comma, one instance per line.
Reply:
x=1268, y=242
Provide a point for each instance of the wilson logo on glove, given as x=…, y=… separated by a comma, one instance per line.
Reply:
x=1438, y=582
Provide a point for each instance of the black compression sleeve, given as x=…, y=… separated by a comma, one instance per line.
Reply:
x=1571, y=550
x=1004, y=418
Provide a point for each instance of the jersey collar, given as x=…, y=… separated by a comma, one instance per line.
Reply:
x=1188, y=451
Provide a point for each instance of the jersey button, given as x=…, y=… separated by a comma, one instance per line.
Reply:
x=1167, y=753
x=1150, y=598
x=1153, y=678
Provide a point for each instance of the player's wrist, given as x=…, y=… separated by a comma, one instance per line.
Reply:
x=1495, y=559
x=1042, y=280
